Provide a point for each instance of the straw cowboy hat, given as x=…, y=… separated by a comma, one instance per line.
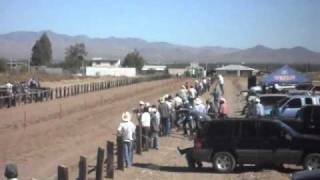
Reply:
x=222, y=99
x=126, y=116
x=162, y=100
x=141, y=103
x=197, y=101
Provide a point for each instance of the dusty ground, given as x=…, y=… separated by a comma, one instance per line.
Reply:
x=166, y=163
x=38, y=137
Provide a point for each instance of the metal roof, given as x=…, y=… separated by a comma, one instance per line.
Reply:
x=235, y=67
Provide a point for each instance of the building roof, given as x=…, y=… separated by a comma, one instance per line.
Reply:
x=235, y=67
x=154, y=67
x=98, y=59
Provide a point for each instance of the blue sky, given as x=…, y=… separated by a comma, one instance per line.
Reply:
x=228, y=23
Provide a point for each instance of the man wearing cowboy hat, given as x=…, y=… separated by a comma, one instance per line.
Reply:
x=126, y=131
x=199, y=106
x=259, y=109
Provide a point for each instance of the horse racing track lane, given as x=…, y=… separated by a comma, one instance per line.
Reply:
x=39, y=137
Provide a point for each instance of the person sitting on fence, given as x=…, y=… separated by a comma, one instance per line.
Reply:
x=126, y=130
x=145, y=122
x=11, y=172
x=155, y=127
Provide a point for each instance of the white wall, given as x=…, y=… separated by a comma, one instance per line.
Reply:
x=110, y=71
x=175, y=71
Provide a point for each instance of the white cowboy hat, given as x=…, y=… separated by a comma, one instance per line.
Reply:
x=197, y=101
x=257, y=100
x=141, y=103
x=222, y=99
x=126, y=116
x=147, y=104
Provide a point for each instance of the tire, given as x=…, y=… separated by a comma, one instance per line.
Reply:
x=311, y=162
x=224, y=162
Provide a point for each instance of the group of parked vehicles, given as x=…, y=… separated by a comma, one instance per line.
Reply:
x=288, y=134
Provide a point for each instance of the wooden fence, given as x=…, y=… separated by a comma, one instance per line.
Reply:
x=71, y=90
x=105, y=164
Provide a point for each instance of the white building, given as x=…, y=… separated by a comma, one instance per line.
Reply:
x=100, y=62
x=235, y=69
x=154, y=68
x=104, y=67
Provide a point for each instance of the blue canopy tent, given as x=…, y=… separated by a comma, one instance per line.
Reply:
x=285, y=76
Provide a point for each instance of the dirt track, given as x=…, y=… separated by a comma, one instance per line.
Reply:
x=88, y=121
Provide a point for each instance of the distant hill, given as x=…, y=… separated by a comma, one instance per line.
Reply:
x=19, y=45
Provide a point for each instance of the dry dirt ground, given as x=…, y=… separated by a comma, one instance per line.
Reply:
x=39, y=137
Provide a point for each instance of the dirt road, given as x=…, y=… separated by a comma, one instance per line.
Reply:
x=58, y=132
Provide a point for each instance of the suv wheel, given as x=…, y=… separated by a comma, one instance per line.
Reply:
x=224, y=162
x=312, y=162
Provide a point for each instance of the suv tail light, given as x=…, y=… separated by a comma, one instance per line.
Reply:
x=197, y=143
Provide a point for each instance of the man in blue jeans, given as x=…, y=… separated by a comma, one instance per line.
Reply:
x=126, y=131
x=164, y=111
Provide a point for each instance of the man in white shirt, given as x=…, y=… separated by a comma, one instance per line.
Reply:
x=221, y=82
x=146, y=122
x=126, y=130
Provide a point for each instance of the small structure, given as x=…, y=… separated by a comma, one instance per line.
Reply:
x=104, y=67
x=236, y=69
x=16, y=64
x=100, y=62
x=195, y=70
x=159, y=68
x=176, y=71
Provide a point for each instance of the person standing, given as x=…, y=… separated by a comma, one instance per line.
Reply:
x=192, y=94
x=223, y=108
x=155, y=127
x=221, y=83
x=259, y=109
x=164, y=114
x=199, y=106
x=126, y=131
x=145, y=122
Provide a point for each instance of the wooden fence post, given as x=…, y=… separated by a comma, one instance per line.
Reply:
x=83, y=168
x=120, y=153
x=110, y=155
x=139, y=139
x=63, y=173
x=99, y=166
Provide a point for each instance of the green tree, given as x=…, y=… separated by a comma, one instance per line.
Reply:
x=3, y=64
x=75, y=56
x=41, y=51
x=134, y=59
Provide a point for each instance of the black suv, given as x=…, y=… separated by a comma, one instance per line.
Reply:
x=227, y=143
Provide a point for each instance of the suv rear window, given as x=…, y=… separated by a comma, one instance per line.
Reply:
x=221, y=129
x=308, y=101
x=272, y=100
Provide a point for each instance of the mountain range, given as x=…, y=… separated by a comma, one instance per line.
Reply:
x=19, y=44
